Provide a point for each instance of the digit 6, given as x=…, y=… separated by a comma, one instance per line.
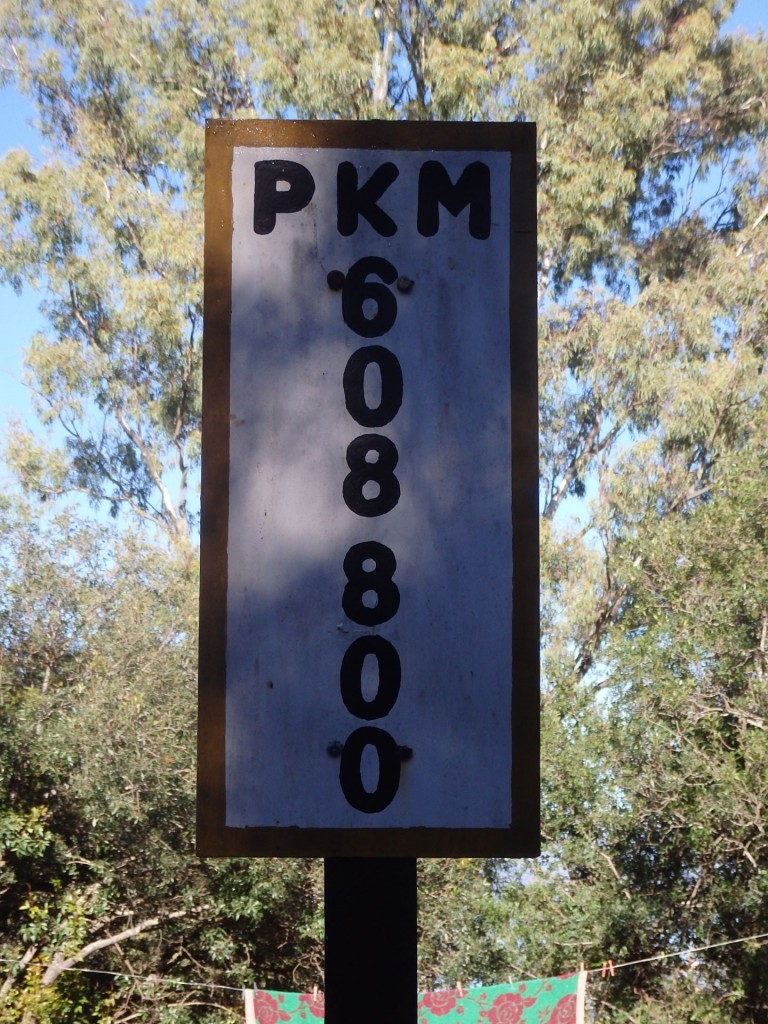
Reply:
x=357, y=289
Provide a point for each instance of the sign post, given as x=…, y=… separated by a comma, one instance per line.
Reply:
x=370, y=940
x=369, y=595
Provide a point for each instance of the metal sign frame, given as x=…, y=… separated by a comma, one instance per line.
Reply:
x=214, y=836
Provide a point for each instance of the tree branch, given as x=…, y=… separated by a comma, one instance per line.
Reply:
x=61, y=963
x=16, y=971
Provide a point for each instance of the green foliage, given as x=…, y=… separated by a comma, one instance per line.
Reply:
x=462, y=924
x=97, y=717
x=653, y=280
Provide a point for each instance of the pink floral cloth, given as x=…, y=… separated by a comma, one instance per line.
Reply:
x=543, y=1001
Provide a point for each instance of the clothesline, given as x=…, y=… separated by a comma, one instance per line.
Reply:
x=212, y=986
x=680, y=952
x=152, y=979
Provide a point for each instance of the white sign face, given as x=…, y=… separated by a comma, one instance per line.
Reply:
x=369, y=594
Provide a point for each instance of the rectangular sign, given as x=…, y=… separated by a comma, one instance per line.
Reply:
x=369, y=593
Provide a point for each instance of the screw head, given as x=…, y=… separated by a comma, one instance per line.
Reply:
x=335, y=280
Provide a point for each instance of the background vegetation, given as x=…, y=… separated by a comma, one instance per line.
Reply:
x=653, y=276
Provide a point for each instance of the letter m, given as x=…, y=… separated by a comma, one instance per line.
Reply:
x=436, y=189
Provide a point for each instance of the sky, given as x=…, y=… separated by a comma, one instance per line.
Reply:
x=19, y=316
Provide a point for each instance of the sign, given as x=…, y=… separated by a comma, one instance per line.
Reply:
x=369, y=595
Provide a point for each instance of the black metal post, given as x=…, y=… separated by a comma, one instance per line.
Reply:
x=370, y=940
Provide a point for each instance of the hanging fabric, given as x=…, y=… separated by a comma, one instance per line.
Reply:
x=542, y=1001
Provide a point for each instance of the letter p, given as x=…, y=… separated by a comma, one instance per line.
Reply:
x=269, y=200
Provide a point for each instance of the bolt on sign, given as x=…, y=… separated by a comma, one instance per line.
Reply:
x=369, y=596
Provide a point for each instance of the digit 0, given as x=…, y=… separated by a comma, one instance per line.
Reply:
x=350, y=774
x=391, y=378
x=351, y=677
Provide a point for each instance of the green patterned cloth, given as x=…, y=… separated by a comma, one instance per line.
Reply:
x=544, y=1001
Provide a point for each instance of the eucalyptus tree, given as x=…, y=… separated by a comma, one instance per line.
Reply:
x=652, y=279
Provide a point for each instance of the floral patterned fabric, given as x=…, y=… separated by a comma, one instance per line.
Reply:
x=544, y=1001
x=262, y=1007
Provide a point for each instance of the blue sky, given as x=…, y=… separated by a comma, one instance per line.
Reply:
x=18, y=314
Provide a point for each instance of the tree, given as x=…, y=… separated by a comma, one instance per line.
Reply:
x=660, y=819
x=97, y=725
x=653, y=231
